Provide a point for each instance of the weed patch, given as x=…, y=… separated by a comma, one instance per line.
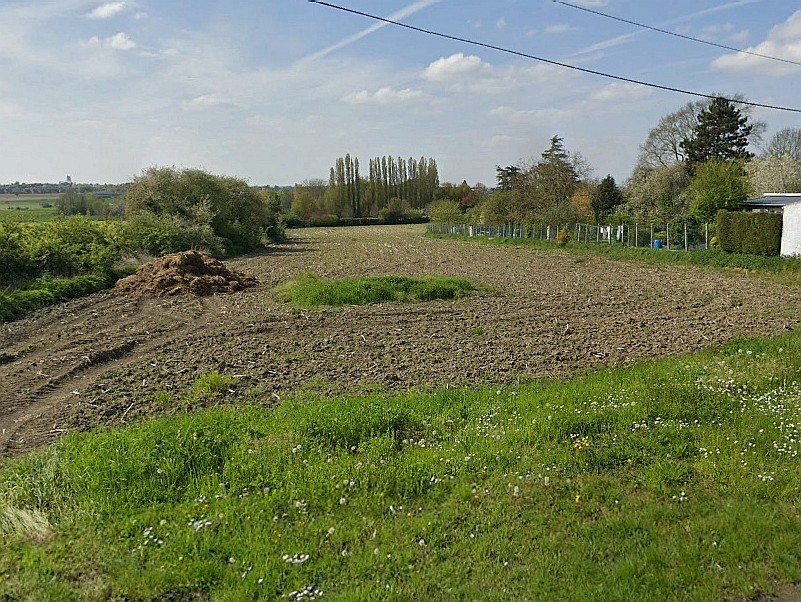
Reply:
x=308, y=290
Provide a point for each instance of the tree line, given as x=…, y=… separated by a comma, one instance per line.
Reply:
x=390, y=184
x=694, y=162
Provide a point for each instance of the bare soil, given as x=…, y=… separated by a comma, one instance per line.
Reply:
x=106, y=359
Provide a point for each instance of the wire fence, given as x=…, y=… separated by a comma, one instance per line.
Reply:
x=677, y=235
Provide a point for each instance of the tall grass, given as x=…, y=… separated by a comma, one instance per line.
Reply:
x=672, y=480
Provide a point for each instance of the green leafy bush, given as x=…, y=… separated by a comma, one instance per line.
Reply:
x=18, y=264
x=238, y=216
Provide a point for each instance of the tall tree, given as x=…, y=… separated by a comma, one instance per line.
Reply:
x=657, y=193
x=662, y=147
x=721, y=134
x=786, y=141
x=606, y=197
x=774, y=173
x=555, y=177
x=507, y=176
x=717, y=185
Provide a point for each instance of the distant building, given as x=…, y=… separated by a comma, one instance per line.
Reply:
x=789, y=205
x=772, y=202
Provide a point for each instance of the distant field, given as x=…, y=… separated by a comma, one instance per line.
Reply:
x=10, y=201
x=27, y=207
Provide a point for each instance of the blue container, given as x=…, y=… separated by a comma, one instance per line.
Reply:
x=657, y=243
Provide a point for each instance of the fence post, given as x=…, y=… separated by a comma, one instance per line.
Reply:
x=686, y=246
x=706, y=236
x=667, y=235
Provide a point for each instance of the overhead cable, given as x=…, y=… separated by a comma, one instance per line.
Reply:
x=548, y=61
x=678, y=35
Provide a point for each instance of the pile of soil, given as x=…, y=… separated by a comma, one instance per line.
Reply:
x=189, y=272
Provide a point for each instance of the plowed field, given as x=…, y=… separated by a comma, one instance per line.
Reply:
x=103, y=359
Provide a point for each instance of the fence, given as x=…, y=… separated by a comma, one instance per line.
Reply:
x=677, y=235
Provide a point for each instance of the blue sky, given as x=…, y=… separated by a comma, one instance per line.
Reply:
x=274, y=91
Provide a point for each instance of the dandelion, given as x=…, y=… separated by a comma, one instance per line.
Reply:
x=295, y=558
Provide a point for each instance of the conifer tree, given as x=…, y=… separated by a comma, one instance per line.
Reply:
x=721, y=134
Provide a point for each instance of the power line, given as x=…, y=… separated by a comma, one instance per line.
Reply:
x=544, y=60
x=678, y=35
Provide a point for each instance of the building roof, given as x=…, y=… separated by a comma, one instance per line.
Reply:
x=773, y=199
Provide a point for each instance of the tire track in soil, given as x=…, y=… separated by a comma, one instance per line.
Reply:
x=44, y=369
x=99, y=360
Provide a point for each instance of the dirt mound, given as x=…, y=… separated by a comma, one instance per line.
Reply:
x=189, y=272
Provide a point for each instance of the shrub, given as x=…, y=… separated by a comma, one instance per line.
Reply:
x=236, y=214
x=18, y=264
x=752, y=233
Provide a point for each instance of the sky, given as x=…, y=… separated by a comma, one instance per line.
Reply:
x=273, y=91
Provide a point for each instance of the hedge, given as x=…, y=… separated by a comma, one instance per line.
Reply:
x=752, y=233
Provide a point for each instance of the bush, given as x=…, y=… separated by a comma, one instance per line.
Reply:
x=18, y=264
x=46, y=291
x=238, y=216
x=752, y=233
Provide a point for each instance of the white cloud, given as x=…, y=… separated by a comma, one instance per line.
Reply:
x=530, y=116
x=591, y=3
x=456, y=66
x=501, y=24
x=107, y=10
x=208, y=102
x=470, y=73
x=560, y=28
x=385, y=96
x=783, y=41
x=620, y=92
x=121, y=41
x=503, y=140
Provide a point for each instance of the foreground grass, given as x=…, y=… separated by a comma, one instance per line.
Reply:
x=675, y=480
x=308, y=290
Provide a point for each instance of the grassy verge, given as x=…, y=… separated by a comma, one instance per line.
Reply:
x=788, y=266
x=47, y=291
x=308, y=290
x=673, y=480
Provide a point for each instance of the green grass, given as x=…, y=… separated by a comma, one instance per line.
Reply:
x=28, y=208
x=787, y=267
x=308, y=290
x=42, y=292
x=23, y=214
x=672, y=480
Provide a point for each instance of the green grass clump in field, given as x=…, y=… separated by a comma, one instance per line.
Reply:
x=674, y=480
x=308, y=290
